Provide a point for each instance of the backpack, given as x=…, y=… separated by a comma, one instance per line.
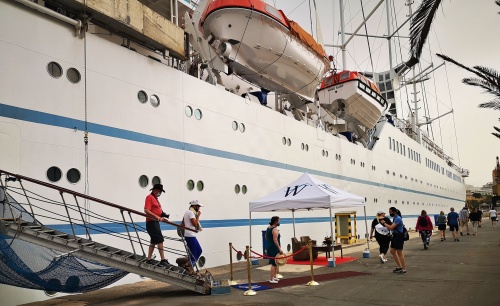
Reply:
x=406, y=236
x=422, y=222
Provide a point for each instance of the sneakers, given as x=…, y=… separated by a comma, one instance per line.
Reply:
x=402, y=271
x=442, y=239
x=382, y=259
x=468, y=234
x=273, y=281
x=397, y=270
x=425, y=247
x=279, y=276
x=456, y=239
x=163, y=263
x=461, y=234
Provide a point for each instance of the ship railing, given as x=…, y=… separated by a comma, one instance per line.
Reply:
x=74, y=209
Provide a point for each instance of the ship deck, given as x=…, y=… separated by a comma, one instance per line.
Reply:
x=458, y=273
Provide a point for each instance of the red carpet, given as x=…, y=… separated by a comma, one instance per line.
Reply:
x=303, y=280
x=320, y=261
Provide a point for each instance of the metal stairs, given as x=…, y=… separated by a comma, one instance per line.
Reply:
x=106, y=255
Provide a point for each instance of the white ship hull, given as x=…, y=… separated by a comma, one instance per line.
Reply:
x=42, y=120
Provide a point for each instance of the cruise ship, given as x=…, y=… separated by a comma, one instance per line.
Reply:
x=108, y=98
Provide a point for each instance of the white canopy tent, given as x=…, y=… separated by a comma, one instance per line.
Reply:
x=306, y=193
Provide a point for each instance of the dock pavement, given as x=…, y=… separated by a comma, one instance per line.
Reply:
x=448, y=273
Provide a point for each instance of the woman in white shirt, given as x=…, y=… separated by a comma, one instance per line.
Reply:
x=493, y=217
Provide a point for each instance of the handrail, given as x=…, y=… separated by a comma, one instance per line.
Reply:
x=74, y=193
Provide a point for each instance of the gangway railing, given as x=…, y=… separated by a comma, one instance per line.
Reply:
x=25, y=224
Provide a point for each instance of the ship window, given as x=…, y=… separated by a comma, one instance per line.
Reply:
x=381, y=86
x=388, y=85
x=307, y=147
x=73, y=175
x=54, y=70
x=283, y=140
x=390, y=95
x=302, y=146
x=380, y=77
x=73, y=75
x=387, y=171
x=235, y=125
x=54, y=174
x=344, y=76
x=387, y=76
x=289, y=142
x=242, y=128
x=188, y=111
x=271, y=10
x=329, y=81
x=155, y=101
x=190, y=185
x=244, y=189
x=143, y=181
x=198, y=114
x=237, y=188
x=200, y=185
x=142, y=96
x=156, y=180
x=390, y=144
x=326, y=153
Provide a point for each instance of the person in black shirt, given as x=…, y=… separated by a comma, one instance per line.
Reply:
x=382, y=234
x=474, y=218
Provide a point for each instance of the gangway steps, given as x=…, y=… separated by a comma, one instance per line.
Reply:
x=104, y=254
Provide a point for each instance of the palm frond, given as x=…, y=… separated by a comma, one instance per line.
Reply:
x=489, y=72
x=497, y=2
x=495, y=104
x=449, y=59
x=496, y=134
x=420, y=27
x=486, y=85
x=496, y=129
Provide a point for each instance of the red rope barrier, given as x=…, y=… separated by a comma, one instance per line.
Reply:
x=269, y=257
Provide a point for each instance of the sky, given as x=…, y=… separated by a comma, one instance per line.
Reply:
x=464, y=30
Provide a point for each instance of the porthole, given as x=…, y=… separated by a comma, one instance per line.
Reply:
x=200, y=186
x=394, y=174
x=188, y=111
x=73, y=75
x=198, y=114
x=323, y=152
x=307, y=147
x=54, y=69
x=237, y=188
x=302, y=146
x=190, y=185
x=289, y=142
x=143, y=181
x=54, y=174
x=242, y=127
x=326, y=153
x=154, y=100
x=389, y=201
x=142, y=96
x=387, y=171
x=73, y=175
x=156, y=180
x=235, y=126
x=244, y=189
x=283, y=140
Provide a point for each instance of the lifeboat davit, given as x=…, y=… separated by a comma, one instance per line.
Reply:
x=352, y=96
x=264, y=47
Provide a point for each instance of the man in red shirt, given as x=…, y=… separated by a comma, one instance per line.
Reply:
x=152, y=208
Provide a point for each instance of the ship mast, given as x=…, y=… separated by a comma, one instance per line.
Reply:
x=414, y=114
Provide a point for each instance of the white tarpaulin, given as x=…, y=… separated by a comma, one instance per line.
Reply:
x=307, y=192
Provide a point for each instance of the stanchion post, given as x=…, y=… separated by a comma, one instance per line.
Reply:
x=231, y=281
x=249, y=291
x=312, y=282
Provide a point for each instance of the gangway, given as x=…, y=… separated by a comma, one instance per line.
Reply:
x=22, y=224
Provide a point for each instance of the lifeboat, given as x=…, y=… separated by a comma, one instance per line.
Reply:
x=260, y=44
x=351, y=96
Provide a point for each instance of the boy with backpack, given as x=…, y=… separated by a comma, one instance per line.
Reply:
x=425, y=227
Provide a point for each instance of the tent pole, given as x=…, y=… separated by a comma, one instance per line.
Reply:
x=293, y=220
x=366, y=226
x=331, y=232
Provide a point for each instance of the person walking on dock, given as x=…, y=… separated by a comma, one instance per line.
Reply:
x=192, y=220
x=382, y=234
x=474, y=218
x=425, y=227
x=493, y=217
x=397, y=241
x=441, y=221
x=453, y=218
x=464, y=220
x=155, y=214
x=273, y=246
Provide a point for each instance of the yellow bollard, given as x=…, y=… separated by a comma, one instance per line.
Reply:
x=231, y=281
x=249, y=291
x=312, y=282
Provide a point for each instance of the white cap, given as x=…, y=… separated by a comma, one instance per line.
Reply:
x=380, y=212
x=195, y=203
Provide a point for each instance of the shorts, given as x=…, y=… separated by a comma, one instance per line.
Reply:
x=442, y=227
x=464, y=222
x=453, y=227
x=493, y=218
x=397, y=241
x=154, y=231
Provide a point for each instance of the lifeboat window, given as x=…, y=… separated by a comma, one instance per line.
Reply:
x=244, y=189
x=155, y=101
x=142, y=96
x=156, y=180
x=198, y=114
x=362, y=86
x=54, y=70
x=188, y=111
x=73, y=175
x=190, y=185
x=200, y=185
x=329, y=80
x=271, y=10
x=242, y=128
x=143, y=181
x=73, y=75
x=54, y=174
x=344, y=76
x=235, y=125
x=237, y=188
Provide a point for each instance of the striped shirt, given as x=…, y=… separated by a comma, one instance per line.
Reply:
x=464, y=214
